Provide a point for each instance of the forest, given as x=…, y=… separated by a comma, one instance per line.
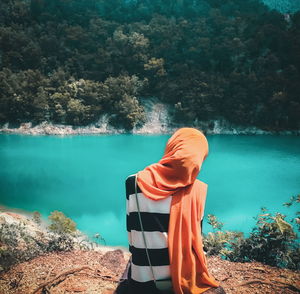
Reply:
x=71, y=61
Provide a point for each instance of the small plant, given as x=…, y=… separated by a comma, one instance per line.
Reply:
x=213, y=221
x=98, y=238
x=17, y=245
x=61, y=224
x=219, y=242
x=36, y=217
x=294, y=200
x=60, y=243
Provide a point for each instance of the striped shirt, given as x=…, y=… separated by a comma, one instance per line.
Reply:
x=155, y=219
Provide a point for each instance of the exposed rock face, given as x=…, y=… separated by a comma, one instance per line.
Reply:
x=157, y=118
x=156, y=124
x=46, y=128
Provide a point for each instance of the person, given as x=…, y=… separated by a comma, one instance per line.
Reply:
x=170, y=204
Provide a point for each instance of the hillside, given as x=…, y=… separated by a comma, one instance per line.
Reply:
x=73, y=62
x=97, y=269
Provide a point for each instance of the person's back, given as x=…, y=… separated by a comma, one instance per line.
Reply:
x=155, y=219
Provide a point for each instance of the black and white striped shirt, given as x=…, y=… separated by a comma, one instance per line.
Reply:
x=155, y=218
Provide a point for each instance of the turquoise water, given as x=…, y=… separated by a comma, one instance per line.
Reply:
x=83, y=176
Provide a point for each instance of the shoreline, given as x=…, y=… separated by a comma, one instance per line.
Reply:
x=219, y=128
x=15, y=215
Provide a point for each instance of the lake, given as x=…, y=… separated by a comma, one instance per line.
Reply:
x=83, y=176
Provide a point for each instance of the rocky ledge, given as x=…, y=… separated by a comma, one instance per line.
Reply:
x=94, y=272
x=99, y=269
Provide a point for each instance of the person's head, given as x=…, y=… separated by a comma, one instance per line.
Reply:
x=184, y=153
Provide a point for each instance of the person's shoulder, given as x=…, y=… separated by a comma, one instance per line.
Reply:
x=130, y=184
x=201, y=184
x=130, y=178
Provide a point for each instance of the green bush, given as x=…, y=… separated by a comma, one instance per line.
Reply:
x=219, y=243
x=60, y=224
x=272, y=241
x=60, y=243
x=18, y=243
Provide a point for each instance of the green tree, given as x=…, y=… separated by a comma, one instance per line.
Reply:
x=61, y=224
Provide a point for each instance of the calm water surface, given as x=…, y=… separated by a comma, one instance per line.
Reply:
x=83, y=176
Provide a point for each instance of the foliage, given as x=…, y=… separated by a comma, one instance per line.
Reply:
x=37, y=218
x=219, y=242
x=213, y=221
x=70, y=62
x=294, y=200
x=91, y=242
x=98, y=238
x=60, y=224
x=28, y=95
x=19, y=243
x=272, y=241
x=60, y=243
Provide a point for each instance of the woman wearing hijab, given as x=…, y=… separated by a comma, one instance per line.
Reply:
x=165, y=205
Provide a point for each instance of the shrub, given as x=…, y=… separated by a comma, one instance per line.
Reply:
x=272, y=241
x=17, y=245
x=61, y=224
x=36, y=217
x=219, y=242
x=60, y=243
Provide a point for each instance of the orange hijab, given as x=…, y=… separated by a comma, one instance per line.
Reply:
x=175, y=174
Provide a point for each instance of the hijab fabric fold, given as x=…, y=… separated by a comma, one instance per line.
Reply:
x=175, y=175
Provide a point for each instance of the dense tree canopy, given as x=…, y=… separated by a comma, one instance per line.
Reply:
x=70, y=61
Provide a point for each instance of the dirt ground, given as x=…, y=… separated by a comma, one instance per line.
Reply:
x=92, y=272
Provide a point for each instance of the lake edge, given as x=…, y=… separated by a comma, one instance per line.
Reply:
x=220, y=128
